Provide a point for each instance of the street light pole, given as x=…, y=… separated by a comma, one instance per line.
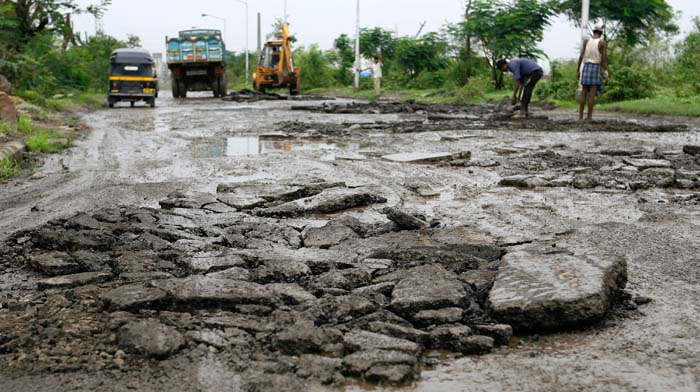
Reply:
x=357, y=48
x=247, y=60
x=585, y=16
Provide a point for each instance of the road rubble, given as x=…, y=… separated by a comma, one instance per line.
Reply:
x=353, y=245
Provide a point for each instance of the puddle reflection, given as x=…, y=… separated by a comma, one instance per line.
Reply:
x=241, y=146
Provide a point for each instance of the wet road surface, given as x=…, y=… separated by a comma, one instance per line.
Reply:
x=137, y=157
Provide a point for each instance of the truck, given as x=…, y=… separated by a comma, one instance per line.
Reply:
x=197, y=62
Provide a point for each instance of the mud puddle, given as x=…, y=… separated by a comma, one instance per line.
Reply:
x=250, y=146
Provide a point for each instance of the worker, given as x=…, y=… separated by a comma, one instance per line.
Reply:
x=275, y=57
x=377, y=75
x=522, y=69
x=594, y=57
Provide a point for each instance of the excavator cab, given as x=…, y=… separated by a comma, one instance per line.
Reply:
x=276, y=66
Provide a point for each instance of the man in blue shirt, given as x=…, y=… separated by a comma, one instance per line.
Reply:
x=523, y=70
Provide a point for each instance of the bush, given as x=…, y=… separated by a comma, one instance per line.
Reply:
x=473, y=91
x=687, y=78
x=563, y=83
x=5, y=127
x=25, y=125
x=315, y=67
x=629, y=83
x=428, y=80
x=8, y=168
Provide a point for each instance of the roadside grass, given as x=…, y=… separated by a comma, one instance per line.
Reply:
x=9, y=168
x=5, y=127
x=39, y=136
x=47, y=142
x=663, y=105
x=90, y=100
x=25, y=125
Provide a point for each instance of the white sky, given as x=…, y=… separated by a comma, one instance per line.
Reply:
x=313, y=21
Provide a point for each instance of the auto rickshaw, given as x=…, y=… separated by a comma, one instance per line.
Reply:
x=132, y=77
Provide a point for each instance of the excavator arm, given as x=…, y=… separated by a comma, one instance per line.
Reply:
x=286, y=65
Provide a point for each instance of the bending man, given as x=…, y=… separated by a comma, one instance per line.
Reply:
x=594, y=57
x=522, y=69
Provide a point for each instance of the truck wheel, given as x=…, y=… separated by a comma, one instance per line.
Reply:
x=216, y=87
x=222, y=86
x=176, y=88
x=183, y=89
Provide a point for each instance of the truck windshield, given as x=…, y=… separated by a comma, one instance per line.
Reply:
x=131, y=70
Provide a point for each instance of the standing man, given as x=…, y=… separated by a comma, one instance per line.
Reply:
x=377, y=75
x=522, y=69
x=594, y=57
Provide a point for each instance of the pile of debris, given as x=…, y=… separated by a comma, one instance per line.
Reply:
x=291, y=283
x=247, y=95
x=612, y=168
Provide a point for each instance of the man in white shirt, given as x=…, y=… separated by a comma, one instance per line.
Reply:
x=377, y=75
x=594, y=58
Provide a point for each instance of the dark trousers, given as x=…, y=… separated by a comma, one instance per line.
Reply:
x=529, y=87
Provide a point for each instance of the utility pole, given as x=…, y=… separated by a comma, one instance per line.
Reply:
x=585, y=15
x=357, y=49
x=259, y=37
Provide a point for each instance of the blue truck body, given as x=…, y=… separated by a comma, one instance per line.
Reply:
x=197, y=62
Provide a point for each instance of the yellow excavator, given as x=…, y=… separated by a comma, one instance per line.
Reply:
x=276, y=66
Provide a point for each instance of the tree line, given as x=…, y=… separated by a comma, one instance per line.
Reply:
x=41, y=53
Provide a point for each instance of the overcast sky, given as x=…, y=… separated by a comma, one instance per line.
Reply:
x=313, y=21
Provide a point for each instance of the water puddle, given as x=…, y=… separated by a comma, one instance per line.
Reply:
x=242, y=146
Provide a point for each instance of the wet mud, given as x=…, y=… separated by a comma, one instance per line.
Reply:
x=354, y=246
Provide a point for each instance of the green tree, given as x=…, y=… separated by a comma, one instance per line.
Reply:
x=687, y=62
x=315, y=67
x=34, y=17
x=343, y=59
x=133, y=41
x=630, y=21
x=276, y=32
x=506, y=28
x=425, y=54
x=377, y=42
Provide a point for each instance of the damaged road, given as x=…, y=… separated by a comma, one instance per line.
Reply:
x=423, y=247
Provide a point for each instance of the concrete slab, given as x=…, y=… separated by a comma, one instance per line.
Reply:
x=647, y=163
x=551, y=291
x=419, y=157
